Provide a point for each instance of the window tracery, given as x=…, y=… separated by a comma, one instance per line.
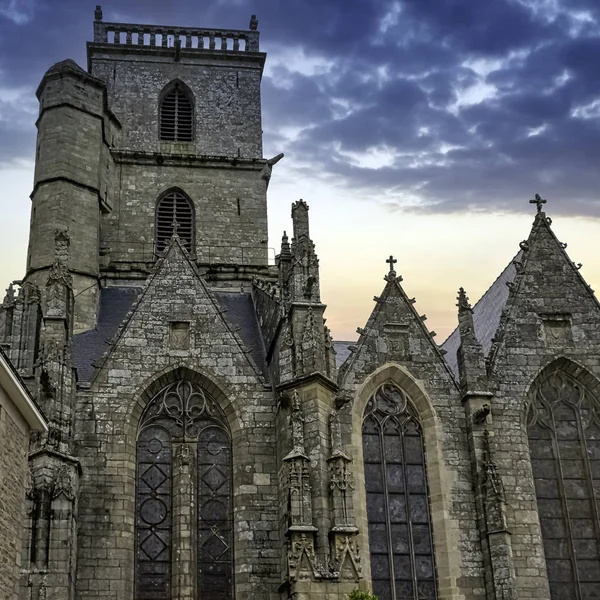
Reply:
x=400, y=537
x=183, y=416
x=564, y=444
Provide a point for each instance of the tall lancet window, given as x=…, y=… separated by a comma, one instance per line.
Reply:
x=400, y=540
x=176, y=114
x=174, y=212
x=183, y=461
x=564, y=442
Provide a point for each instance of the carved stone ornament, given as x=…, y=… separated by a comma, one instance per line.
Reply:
x=346, y=558
x=302, y=562
x=64, y=483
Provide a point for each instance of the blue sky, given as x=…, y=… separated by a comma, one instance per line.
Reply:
x=414, y=127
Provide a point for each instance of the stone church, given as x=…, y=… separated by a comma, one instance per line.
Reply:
x=207, y=439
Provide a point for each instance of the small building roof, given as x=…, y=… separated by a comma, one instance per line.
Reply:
x=18, y=393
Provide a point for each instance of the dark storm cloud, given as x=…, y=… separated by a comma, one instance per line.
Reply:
x=467, y=102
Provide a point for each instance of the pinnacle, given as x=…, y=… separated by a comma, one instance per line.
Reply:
x=463, y=301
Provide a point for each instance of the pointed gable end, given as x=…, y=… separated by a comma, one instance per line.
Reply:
x=394, y=332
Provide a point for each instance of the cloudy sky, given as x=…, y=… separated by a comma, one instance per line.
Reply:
x=418, y=128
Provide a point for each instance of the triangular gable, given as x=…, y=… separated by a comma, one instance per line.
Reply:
x=547, y=285
x=394, y=331
x=176, y=291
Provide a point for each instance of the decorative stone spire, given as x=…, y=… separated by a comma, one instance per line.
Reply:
x=300, y=219
x=285, y=247
x=253, y=23
x=465, y=318
x=539, y=202
x=98, y=13
x=471, y=361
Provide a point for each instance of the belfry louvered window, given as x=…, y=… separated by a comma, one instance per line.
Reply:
x=564, y=442
x=184, y=464
x=400, y=537
x=174, y=211
x=176, y=116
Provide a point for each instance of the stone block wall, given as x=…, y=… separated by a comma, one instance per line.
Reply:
x=14, y=442
x=226, y=99
x=108, y=415
x=548, y=289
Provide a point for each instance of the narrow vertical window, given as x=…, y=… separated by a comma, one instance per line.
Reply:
x=174, y=211
x=564, y=443
x=176, y=115
x=400, y=540
x=180, y=422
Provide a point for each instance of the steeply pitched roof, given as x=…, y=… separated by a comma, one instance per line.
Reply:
x=88, y=347
x=486, y=315
x=241, y=314
x=341, y=351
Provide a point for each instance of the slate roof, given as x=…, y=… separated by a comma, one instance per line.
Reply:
x=88, y=347
x=240, y=313
x=486, y=316
x=342, y=352
x=115, y=303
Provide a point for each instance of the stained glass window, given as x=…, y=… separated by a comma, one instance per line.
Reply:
x=400, y=540
x=564, y=442
x=183, y=413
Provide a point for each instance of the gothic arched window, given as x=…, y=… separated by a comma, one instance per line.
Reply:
x=183, y=460
x=176, y=114
x=564, y=443
x=174, y=209
x=400, y=539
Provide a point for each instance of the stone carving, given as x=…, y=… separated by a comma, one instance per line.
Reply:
x=345, y=561
x=65, y=483
x=302, y=562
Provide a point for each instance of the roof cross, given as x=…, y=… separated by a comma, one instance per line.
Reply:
x=537, y=200
x=391, y=261
x=175, y=225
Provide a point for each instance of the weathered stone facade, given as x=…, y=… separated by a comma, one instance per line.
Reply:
x=204, y=441
x=19, y=417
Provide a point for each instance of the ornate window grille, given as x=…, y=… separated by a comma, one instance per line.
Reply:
x=183, y=418
x=174, y=210
x=176, y=116
x=400, y=539
x=564, y=443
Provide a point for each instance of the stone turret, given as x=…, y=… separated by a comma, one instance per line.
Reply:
x=70, y=185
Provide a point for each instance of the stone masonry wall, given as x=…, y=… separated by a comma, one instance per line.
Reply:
x=230, y=209
x=547, y=285
x=226, y=98
x=14, y=442
x=395, y=346
x=107, y=423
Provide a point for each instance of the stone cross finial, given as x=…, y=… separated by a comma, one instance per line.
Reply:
x=538, y=201
x=175, y=234
x=392, y=261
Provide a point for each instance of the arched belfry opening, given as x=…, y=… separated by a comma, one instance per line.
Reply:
x=563, y=427
x=176, y=113
x=398, y=512
x=184, y=461
x=174, y=213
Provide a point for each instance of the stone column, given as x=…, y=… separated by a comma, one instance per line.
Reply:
x=183, y=558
